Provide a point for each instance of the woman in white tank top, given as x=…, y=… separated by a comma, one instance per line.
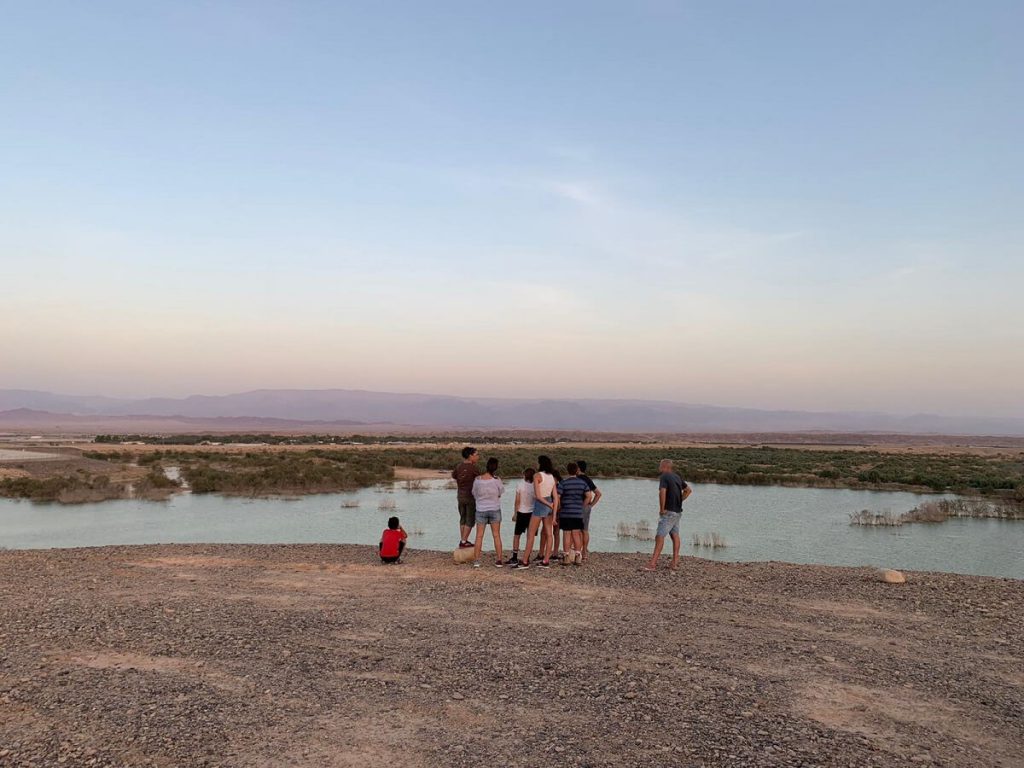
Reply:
x=544, y=506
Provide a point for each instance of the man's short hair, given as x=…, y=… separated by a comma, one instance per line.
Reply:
x=468, y=451
x=581, y=464
x=665, y=463
x=393, y=523
x=528, y=474
x=572, y=468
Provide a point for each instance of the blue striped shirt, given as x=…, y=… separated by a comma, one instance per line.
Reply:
x=572, y=491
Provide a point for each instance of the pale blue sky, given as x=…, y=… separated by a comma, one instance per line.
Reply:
x=775, y=204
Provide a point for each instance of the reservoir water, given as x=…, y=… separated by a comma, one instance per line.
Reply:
x=797, y=525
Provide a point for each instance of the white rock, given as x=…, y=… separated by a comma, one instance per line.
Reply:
x=890, y=576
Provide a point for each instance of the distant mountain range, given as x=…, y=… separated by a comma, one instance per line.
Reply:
x=293, y=409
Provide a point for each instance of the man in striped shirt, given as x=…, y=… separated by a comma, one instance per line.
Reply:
x=574, y=495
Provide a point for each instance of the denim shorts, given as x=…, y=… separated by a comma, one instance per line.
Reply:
x=668, y=524
x=540, y=509
x=486, y=517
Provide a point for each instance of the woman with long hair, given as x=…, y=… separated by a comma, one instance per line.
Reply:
x=544, y=506
x=487, y=490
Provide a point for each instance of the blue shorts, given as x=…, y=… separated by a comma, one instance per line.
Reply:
x=540, y=509
x=488, y=516
x=668, y=524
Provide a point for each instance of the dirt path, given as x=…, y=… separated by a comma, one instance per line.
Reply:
x=317, y=656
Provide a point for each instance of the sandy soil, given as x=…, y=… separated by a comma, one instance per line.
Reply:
x=317, y=656
x=415, y=473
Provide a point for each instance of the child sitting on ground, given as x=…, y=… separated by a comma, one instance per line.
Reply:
x=392, y=542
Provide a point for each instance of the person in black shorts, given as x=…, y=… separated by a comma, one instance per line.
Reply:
x=586, y=510
x=574, y=494
x=522, y=511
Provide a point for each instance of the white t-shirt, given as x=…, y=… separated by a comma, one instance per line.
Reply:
x=546, y=486
x=526, y=499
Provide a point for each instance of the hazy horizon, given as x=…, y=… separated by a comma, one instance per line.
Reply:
x=775, y=206
x=478, y=396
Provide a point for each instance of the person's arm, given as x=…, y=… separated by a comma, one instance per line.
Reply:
x=536, y=491
x=687, y=490
x=455, y=473
x=404, y=534
x=596, y=494
x=588, y=500
x=556, y=498
x=662, y=493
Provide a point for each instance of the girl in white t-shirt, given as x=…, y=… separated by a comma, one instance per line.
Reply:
x=522, y=512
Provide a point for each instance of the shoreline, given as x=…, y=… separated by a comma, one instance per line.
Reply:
x=312, y=655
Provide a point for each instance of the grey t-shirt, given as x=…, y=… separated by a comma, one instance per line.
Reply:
x=487, y=493
x=673, y=485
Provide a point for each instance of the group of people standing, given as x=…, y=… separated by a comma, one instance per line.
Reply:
x=553, y=507
x=549, y=505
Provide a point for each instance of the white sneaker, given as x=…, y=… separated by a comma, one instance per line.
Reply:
x=476, y=563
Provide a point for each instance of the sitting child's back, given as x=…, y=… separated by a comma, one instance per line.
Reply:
x=392, y=541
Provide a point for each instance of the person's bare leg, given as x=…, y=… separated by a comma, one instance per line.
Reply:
x=577, y=543
x=479, y=544
x=465, y=531
x=496, y=536
x=531, y=533
x=586, y=544
x=546, y=553
x=659, y=542
x=676, y=546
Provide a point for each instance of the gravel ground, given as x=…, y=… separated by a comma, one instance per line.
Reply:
x=317, y=656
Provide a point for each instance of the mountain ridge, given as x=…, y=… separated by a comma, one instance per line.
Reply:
x=355, y=407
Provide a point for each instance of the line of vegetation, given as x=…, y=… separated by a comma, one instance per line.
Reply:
x=259, y=473
x=941, y=510
x=998, y=475
x=264, y=438
x=66, y=489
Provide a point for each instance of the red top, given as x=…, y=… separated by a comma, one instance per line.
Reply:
x=389, y=542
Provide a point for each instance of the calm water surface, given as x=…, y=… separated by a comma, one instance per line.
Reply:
x=797, y=525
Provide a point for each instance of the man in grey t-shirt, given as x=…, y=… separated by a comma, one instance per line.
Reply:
x=672, y=492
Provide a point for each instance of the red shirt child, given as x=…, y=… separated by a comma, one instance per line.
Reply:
x=392, y=541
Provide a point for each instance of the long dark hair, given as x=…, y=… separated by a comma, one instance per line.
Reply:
x=545, y=465
x=492, y=466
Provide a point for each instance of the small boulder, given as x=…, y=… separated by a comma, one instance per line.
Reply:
x=889, y=576
x=463, y=555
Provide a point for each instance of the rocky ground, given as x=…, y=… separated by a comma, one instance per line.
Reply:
x=317, y=656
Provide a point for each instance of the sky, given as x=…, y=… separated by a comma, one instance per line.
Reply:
x=769, y=204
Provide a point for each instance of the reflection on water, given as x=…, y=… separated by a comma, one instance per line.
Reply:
x=799, y=525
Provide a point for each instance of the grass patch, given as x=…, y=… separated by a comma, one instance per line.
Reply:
x=69, y=489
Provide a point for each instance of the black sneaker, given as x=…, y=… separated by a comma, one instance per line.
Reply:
x=512, y=560
x=520, y=566
x=543, y=564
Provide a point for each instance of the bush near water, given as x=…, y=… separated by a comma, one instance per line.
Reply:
x=322, y=470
